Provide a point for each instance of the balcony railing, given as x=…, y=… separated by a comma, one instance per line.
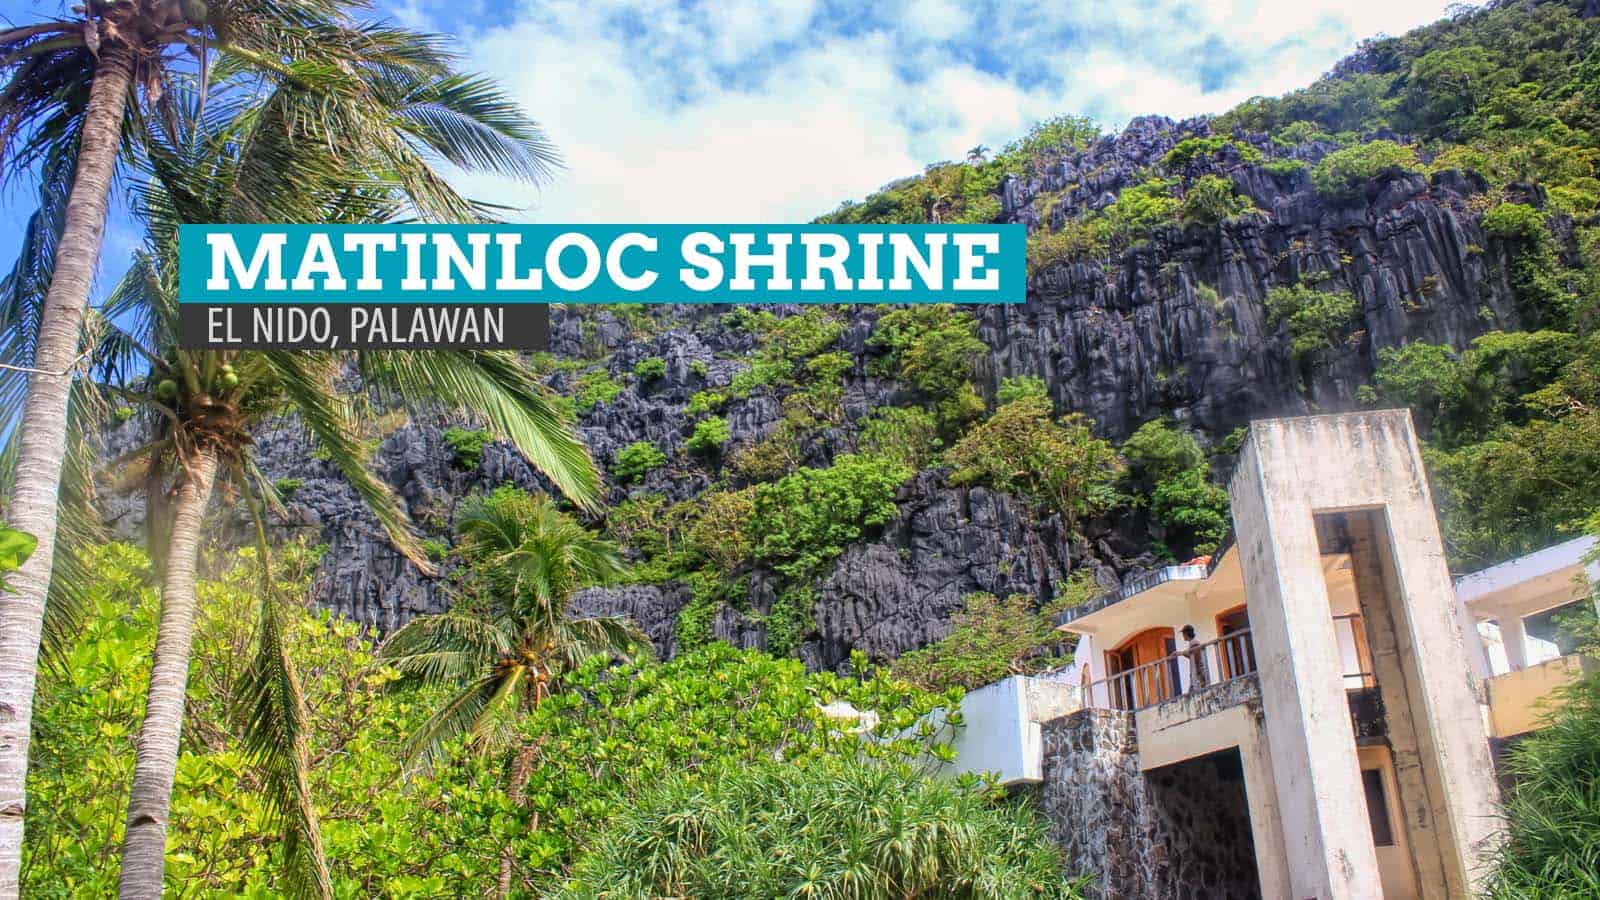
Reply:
x=1231, y=656
x=1224, y=659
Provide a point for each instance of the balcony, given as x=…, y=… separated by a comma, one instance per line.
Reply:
x=1231, y=657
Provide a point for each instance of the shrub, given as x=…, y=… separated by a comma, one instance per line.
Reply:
x=435, y=548
x=809, y=516
x=594, y=389
x=1191, y=149
x=286, y=488
x=702, y=402
x=1282, y=168
x=1020, y=386
x=1060, y=467
x=708, y=437
x=650, y=369
x=1344, y=174
x=1316, y=320
x=467, y=444
x=1157, y=451
x=1141, y=208
x=906, y=435
x=1075, y=240
x=1514, y=221
x=935, y=347
x=838, y=826
x=991, y=639
x=1553, y=812
x=1212, y=199
x=637, y=460
x=699, y=368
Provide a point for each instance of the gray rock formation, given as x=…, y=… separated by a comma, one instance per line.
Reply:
x=1175, y=326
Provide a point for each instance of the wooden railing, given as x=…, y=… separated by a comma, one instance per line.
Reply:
x=1231, y=656
x=1228, y=657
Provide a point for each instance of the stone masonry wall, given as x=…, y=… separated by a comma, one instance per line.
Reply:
x=1181, y=832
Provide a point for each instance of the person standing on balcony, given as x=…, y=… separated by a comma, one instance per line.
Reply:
x=1195, y=652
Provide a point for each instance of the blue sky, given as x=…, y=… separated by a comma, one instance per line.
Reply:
x=777, y=110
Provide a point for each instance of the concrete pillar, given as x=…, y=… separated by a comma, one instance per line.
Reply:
x=1515, y=638
x=1326, y=838
x=1289, y=470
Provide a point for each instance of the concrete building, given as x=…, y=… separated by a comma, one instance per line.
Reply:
x=1326, y=730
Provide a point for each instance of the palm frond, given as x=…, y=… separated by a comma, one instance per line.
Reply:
x=604, y=636
x=272, y=717
x=306, y=380
x=458, y=716
x=450, y=647
x=504, y=396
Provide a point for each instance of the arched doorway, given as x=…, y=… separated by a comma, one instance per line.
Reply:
x=1135, y=679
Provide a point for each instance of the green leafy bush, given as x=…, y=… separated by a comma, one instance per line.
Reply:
x=935, y=346
x=1141, y=208
x=1168, y=467
x=991, y=639
x=1075, y=240
x=833, y=826
x=1514, y=221
x=1316, y=320
x=1283, y=168
x=1020, y=386
x=1212, y=199
x=1344, y=174
x=709, y=436
x=650, y=369
x=906, y=435
x=286, y=488
x=637, y=460
x=809, y=516
x=702, y=402
x=1060, y=467
x=1191, y=149
x=467, y=444
x=594, y=389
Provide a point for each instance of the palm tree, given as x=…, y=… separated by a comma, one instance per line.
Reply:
x=978, y=154
x=79, y=96
x=509, y=653
x=206, y=403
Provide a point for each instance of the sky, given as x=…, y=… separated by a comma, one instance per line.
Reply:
x=777, y=111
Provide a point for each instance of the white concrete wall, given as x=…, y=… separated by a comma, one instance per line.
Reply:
x=1001, y=727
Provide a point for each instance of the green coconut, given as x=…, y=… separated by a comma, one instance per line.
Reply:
x=167, y=389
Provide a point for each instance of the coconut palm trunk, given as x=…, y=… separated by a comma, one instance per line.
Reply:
x=156, y=752
x=42, y=437
x=521, y=771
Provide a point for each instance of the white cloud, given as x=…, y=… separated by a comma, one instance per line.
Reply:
x=760, y=111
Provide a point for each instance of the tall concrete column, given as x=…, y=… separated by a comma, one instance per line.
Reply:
x=1289, y=471
x=1326, y=837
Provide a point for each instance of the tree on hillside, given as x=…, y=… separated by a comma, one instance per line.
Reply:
x=506, y=650
x=81, y=94
x=1061, y=467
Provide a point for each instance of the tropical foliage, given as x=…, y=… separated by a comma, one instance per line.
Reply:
x=1552, y=850
x=825, y=828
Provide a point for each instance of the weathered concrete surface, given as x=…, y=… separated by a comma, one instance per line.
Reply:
x=1289, y=470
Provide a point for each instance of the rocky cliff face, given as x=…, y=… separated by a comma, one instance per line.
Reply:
x=1175, y=326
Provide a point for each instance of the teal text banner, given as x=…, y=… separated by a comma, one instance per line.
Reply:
x=602, y=264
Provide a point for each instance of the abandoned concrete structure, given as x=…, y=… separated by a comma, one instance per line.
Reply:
x=1326, y=731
